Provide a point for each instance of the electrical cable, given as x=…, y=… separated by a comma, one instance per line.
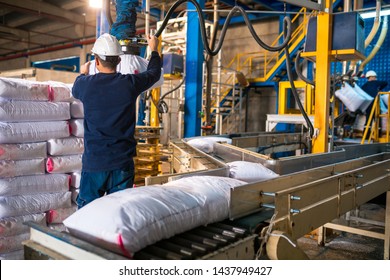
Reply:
x=286, y=20
x=295, y=94
x=298, y=70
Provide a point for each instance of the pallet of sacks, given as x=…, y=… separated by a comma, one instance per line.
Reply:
x=38, y=158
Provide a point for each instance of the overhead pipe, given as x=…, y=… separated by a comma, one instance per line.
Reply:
x=375, y=27
x=377, y=46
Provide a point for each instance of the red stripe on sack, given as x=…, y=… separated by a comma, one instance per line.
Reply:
x=122, y=247
x=50, y=93
x=70, y=128
x=49, y=165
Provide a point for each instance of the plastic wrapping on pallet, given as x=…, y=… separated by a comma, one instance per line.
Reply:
x=25, y=185
x=11, y=133
x=250, y=171
x=15, y=225
x=22, y=111
x=354, y=98
x=131, y=64
x=77, y=127
x=206, y=144
x=12, y=168
x=132, y=219
x=77, y=109
x=65, y=146
x=13, y=243
x=54, y=216
x=19, y=205
x=21, y=89
x=64, y=164
x=23, y=151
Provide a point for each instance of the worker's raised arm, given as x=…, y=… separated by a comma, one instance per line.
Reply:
x=152, y=42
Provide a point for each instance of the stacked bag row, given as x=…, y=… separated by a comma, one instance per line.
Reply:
x=40, y=158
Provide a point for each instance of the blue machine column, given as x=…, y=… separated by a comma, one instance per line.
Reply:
x=194, y=80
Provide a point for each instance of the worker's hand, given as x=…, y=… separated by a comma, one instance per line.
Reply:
x=152, y=42
x=84, y=69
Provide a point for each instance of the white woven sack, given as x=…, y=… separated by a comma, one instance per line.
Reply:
x=65, y=146
x=75, y=181
x=131, y=64
x=367, y=98
x=77, y=127
x=64, y=164
x=25, y=185
x=75, y=193
x=77, y=109
x=15, y=225
x=250, y=171
x=19, y=205
x=59, y=215
x=23, y=151
x=206, y=144
x=20, y=89
x=350, y=98
x=60, y=91
x=32, y=132
x=134, y=218
x=12, y=168
x=29, y=111
x=13, y=243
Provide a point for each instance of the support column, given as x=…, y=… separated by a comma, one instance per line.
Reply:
x=194, y=80
x=322, y=94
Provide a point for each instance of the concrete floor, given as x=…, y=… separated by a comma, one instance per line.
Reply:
x=347, y=246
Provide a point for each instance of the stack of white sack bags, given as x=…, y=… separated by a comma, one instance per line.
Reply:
x=134, y=218
x=384, y=105
x=34, y=175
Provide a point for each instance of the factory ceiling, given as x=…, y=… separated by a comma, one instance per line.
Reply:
x=36, y=26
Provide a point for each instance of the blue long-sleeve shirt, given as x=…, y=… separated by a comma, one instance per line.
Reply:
x=373, y=87
x=109, y=115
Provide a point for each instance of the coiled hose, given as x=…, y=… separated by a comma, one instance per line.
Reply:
x=209, y=51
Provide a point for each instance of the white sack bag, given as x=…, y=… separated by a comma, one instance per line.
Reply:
x=23, y=151
x=250, y=171
x=77, y=127
x=12, y=168
x=15, y=225
x=25, y=185
x=59, y=91
x=13, y=243
x=27, y=111
x=64, y=164
x=19, y=205
x=206, y=144
x=20, y=89
x=65, y=146
x=350, y=98
x=131, y=64
x=33, y=132
x=368, y=99
x=132, y=219
x=77, y=109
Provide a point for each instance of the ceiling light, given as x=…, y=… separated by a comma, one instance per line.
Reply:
x=96, y=3
x=373, y=14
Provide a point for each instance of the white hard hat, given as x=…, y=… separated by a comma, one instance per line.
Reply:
x=370, y=74
x=107, y=45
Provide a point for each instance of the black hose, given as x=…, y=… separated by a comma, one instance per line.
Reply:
x=214, y=52
x=296, y=96
x=298, y=70
x=161, y=105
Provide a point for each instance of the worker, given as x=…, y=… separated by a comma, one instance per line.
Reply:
x=109, y=100
x=372, y=87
